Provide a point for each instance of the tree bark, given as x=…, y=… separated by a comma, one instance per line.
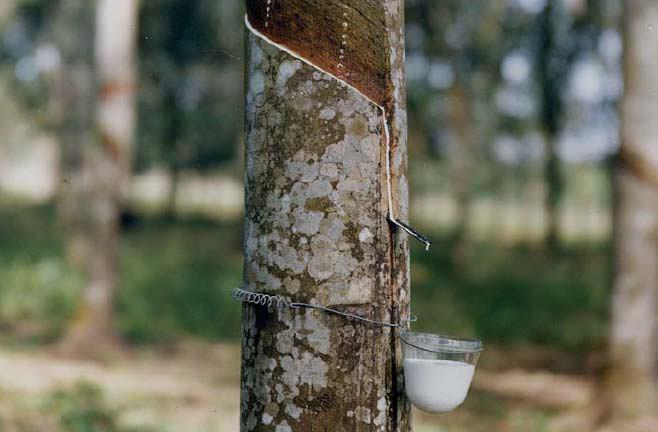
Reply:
x=316, y=229
x=551, y=78
x=174, y=137
x=73, y=114
x=462, y=166
x=106, y=168
x=633, y=375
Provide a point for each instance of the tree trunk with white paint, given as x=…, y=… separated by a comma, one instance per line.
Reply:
x=316, y=228
x=105, y=173
x=633, y=377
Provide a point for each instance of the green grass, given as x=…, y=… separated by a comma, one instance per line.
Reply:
x=177, y=276
x=177, y=279
x=78, y=407
x=82, y=408
x=514, y=294
x=37, y=287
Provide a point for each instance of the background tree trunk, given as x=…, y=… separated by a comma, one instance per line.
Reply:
x=315, y=223
x=462, y=159
x=551, y=80
x=174, y=129
x=633, y=377
x=73, y=114
x=106, y=168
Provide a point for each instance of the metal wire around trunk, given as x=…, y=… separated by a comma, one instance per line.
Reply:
x=277, y=301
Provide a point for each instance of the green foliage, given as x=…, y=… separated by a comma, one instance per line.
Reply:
x=483, y=412
x=38, y=289
x=190, y=74
x=21, y=35
x=176, y=278
x=190, y=98
x=515, y=294
x=83, y=408
x=453, y=45
x=38, y=294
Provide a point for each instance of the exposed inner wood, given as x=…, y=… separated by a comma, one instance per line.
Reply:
x=345, y=38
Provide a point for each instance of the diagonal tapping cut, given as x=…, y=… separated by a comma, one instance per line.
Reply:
x=387, y=135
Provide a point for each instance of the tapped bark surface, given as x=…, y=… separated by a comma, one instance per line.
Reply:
x=633, y=375
x=315, y=224
x=349, y=39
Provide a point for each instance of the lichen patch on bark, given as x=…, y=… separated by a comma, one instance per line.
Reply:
x=323, y=173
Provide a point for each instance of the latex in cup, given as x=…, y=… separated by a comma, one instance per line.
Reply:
x=438, y=370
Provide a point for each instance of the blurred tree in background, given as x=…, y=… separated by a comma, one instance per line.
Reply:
x=552, y=71
x=191, y=90
x=87, y=71
x=453, y=50
x=633, y=375
x=106, y=152
x=190, y=117
x=190, y=75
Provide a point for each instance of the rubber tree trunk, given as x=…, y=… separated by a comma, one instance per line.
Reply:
x=174, y=129
x=462, y=166
x=551, y=79
x=315, y=225
x=633, y=378
x=106, y=168
x=73, y=114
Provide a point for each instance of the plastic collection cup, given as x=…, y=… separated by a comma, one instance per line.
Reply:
x=438, y=370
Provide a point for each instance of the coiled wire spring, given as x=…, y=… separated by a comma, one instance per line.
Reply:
x=277, y=301
x=259, y=298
